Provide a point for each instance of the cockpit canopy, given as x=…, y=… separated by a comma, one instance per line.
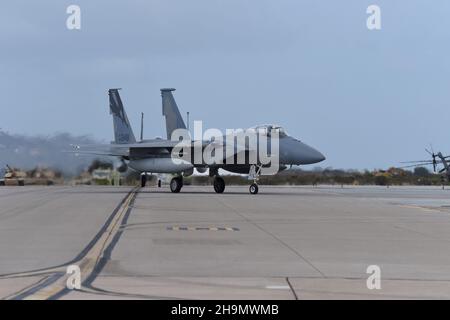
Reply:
x=268, y=129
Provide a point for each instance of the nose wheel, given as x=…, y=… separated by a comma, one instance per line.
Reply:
x=219, y=185
x=254, y=174
x=176, y=184
x=253, y=188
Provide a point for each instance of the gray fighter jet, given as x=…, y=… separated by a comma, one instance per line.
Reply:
x=157, y=155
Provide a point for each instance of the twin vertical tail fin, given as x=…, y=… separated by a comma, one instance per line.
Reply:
x=122, y=129
x=123, y=133
x=170, y=111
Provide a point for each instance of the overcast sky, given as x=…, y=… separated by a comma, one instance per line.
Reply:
x=366, y=99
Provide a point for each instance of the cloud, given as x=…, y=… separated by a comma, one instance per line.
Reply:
x=29, y=152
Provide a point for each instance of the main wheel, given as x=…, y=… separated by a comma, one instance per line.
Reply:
x=219, y=185
x=159, y=183
x=143, y=180
x=253, y=188
x=176, y=184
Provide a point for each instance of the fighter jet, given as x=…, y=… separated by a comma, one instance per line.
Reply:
x=177, y=156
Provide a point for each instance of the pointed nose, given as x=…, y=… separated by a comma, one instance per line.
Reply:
x=301, y=153
x=293, y=151
x=317, y=156
x=309, y=155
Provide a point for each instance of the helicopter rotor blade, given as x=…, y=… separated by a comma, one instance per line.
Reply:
x=416, y=165
x=418, y=161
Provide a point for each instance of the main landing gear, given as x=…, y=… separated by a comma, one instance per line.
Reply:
x=219, y=184
x=159, y=180
x=253, y=174
x=143, y=179
x=176, y=184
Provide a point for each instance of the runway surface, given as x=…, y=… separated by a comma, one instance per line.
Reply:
x=284, y=243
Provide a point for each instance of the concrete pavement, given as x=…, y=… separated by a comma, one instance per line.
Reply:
x=284, y=243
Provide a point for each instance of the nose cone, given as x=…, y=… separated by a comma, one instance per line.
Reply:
x=311, y=155
x=297, y=152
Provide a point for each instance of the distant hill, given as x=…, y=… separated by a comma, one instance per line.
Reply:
x=27, y=152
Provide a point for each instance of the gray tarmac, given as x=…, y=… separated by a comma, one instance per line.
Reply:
x=284, y=243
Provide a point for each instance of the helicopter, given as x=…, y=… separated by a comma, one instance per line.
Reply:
x=436, y=159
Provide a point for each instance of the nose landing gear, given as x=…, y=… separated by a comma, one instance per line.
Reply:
x=253, y=188
x=253, y=174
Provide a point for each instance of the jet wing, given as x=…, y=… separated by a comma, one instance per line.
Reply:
x=99, y=150
x=168, y=144
x=99, y=153
x=124, y=150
